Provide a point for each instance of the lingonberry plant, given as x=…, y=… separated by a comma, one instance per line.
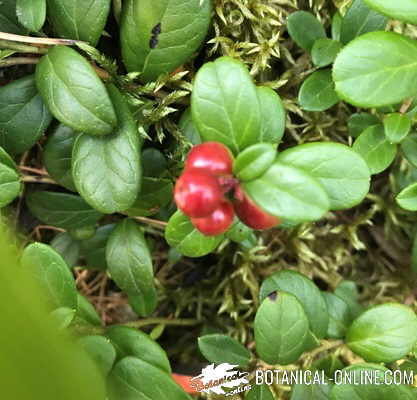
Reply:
x=207, y=164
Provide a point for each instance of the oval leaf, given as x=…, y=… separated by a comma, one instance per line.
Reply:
x=101, y=352
x=153, y=162
x=397, y=126
x=407, y=198
x=8, y=18
x=409, y=148
x=304, y=28
x=31, y=13
x=406, y=10
x=10, y=185
x=87, y=312
x=324, y=52
x=358, y=122
x=340, y=317
x=67, y=247
x=259, y=392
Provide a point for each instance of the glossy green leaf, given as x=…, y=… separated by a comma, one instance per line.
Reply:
x=48, y=268
x=383, y=333
x=130, y=264
x=23, y=115
x=74, y=93
x=273, y=115
x=254, y=161
x=358, y=122
x=135, y=343
x=342, y=172
x=63, y=317
x=239, y=232
x=106, y=169
x=375, y=149
x=324, y=52
x=329, y=365
x=181, y=234
x=337, y=21
x=281, y=329
x=31, y=13
x=259, y=392
x=7, y=160
x=339, y=313
x=57, y=156
x=79, y=19
x=133, y=378
x=8, y=18
x=317, y=92
x=83, y=233
x=304, y=28
x=218, y=348
x=409, y=148
x=154, y=164
x=377, y=69
x=67, y=211
x=348, y=292
x=360, y=19
x=407, y=198
x=314, y=391
x=10, y=185
x=225, y=105
x=100, y=350
x=290, y=192
x=158, y=37
x=67, y=247
x=87, y=312
x=397, y=126
x=405, y=10
x=306, y=292
x=188, y=127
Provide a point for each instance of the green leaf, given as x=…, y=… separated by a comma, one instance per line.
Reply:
x=239, y=232
x=324, y=52
x=259, y=392
x=339, y=313
x=383, y=333
x=74, y=93
x=106, y=169
x=343, y=173
x=252, y=162
x=407, y=198
x=285, y=191
x=8, y=18
x=7, y=160
x=409, y=148
x=358, y=122
x=57, y=156
x=31, y=13
x=159, y=37
x=188, y=128
x=154, y=163
x=348, y=292
x=79, y=19
x=87, y=312
x=133, y=378
x=406, y=10
x=360, y=19
x=101, y=352
x=315, y=391
x=317, y=92
x=304, y=28
x=10, y=185
x=63, y=317
x=84, y=233
x=48, y=268
x=397, y=126
x=218, y=349
x=329, y=365
x=273, y=115
x=94, y=249
x=67, y=247
x=377, y=69
x=67, y=211
x=306, y=292
x=132, y=342
x=23, y=115
x=130, y=264
x=225, y=105
x=281, y=329
x=180, y=233
x=337, y=21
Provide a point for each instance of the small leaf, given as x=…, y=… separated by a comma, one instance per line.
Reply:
x=52, y=273
x=304, y=28
x=74, y=93
x=239, y=232
x=337, y=21
x=225, y=105
x=84, y=233
x=87, y=312
x=31, y=13
x=348, y=292
x=317, y=92
x=407, y=198
x=218, y=349
x=358, y=122
x=383, y=61
x=406, y=10
x=10, y=185
x=7, y=160
x=339, y=316
x=154, y=163
x=181, y=234
x=188, y=128
x=130, y=264
x=101, y=352
x=409, y=148
x=375, y=149
x=259, y=392
x=23, y=115
x=8, y=18
x=63, y=317
x=67, y=247
x=324, y=52
x=315, y=391
x=281, y=329
x=360, y=19
x=397, y=126
x=383, y=333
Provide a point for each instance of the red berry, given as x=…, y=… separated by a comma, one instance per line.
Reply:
x=252, y=215
x=218, y=222
x=197, y=193
x=214, y=157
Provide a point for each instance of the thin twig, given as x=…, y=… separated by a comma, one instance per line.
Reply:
x=165, y=321
x=37, y=179
x=151, y=221
x=35, y=40
x=22, y=48
x=406, y=105
x=10, y=62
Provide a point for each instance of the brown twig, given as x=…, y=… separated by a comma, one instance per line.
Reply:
x=161, y=224
x=406, y=105
x=35, y=40
x=37, y=179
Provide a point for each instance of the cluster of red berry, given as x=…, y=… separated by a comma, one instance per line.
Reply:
x=210, y=195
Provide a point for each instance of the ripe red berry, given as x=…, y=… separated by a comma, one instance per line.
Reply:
x=213, y=157
x=197, y=193
x=252, y=215
x=216, y=223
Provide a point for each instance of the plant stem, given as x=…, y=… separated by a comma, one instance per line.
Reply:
x=36, y=40
x=161, y=224
x=22, y=48
x=164, y=321
x=37, y=179
x=11, y=61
